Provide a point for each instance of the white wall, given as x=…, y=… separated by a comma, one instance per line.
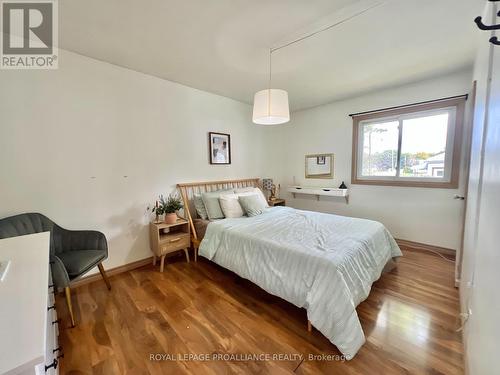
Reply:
x=423, y=215
x=58, y=129
x=89, y=119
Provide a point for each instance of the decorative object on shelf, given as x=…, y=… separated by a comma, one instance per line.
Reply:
x=157, y=209
x=319, y=191
x=157, y=214
x=319, y=166
x=270, y=106
x=479, y=22
x=220, y=148
x=167, y=207
x=342, y=186
x=267, y=184
x=170, y=208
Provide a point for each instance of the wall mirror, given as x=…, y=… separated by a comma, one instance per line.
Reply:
x=319, y=166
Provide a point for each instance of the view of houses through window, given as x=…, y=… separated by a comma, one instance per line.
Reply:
x=418, y=142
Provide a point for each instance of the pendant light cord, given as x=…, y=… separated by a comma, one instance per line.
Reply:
x=272, y=49
x=270, y=77
x=326, y=27
x=270, y=66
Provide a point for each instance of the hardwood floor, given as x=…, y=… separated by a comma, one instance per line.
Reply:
x=409, y=321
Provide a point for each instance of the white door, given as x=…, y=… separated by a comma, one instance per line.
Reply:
x=482, y=74
x=480, y=281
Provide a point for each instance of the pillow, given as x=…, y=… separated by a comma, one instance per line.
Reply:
x=244, y=190
x=254, y=190
x=252, y=204
x=261, y=196
x=230, y=206
x=211, y=202
x=200, y=206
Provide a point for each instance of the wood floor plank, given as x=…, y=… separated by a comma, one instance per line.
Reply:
x=409, y=320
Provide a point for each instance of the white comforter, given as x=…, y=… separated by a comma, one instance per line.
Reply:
x=324, y=263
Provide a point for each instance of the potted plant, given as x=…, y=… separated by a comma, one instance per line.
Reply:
x=167, y=207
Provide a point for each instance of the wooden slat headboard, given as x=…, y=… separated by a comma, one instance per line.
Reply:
x=187, y=191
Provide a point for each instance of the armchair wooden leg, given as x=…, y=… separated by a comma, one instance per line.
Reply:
x=103, y=274
x=67, y=292
x=309, y=326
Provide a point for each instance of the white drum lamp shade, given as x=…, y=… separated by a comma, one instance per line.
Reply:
x=270, y=107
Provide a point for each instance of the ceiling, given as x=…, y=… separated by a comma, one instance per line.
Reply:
x=222, y=46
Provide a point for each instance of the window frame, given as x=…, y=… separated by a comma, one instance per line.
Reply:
x=454, y=140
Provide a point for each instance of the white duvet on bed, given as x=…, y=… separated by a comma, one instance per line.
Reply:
x=322, y=262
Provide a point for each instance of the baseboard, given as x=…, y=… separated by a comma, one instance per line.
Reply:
x=450, y=253
x=140, y=263
x=111, y=272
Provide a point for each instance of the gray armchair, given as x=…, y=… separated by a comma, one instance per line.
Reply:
x=72, y=253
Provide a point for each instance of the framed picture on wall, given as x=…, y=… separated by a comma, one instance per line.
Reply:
x=220, y=148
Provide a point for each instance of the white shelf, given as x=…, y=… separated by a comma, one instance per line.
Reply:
x=319, y=191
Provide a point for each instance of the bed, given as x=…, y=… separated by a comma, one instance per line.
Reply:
x=321, y=262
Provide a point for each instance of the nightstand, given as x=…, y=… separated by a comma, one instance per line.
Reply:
x=277, y=202
x=177, y=238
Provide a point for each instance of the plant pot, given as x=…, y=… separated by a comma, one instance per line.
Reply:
x=171, y=218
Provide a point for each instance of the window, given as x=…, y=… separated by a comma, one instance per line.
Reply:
x=417, y=145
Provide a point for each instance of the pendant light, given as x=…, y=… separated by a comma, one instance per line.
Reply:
x=270, y=106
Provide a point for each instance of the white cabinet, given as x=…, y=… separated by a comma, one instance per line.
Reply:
x=28, y=342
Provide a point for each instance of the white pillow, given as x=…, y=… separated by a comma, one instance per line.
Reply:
x=212, y=205
x=231, y=206
x=254, y=190
x=247, y=189
x=252, y=204
x=261, y=196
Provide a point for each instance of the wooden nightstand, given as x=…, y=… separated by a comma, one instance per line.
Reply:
x=177, y=238
x=277, y=202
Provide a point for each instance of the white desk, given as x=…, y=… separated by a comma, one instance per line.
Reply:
x=25, y=322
